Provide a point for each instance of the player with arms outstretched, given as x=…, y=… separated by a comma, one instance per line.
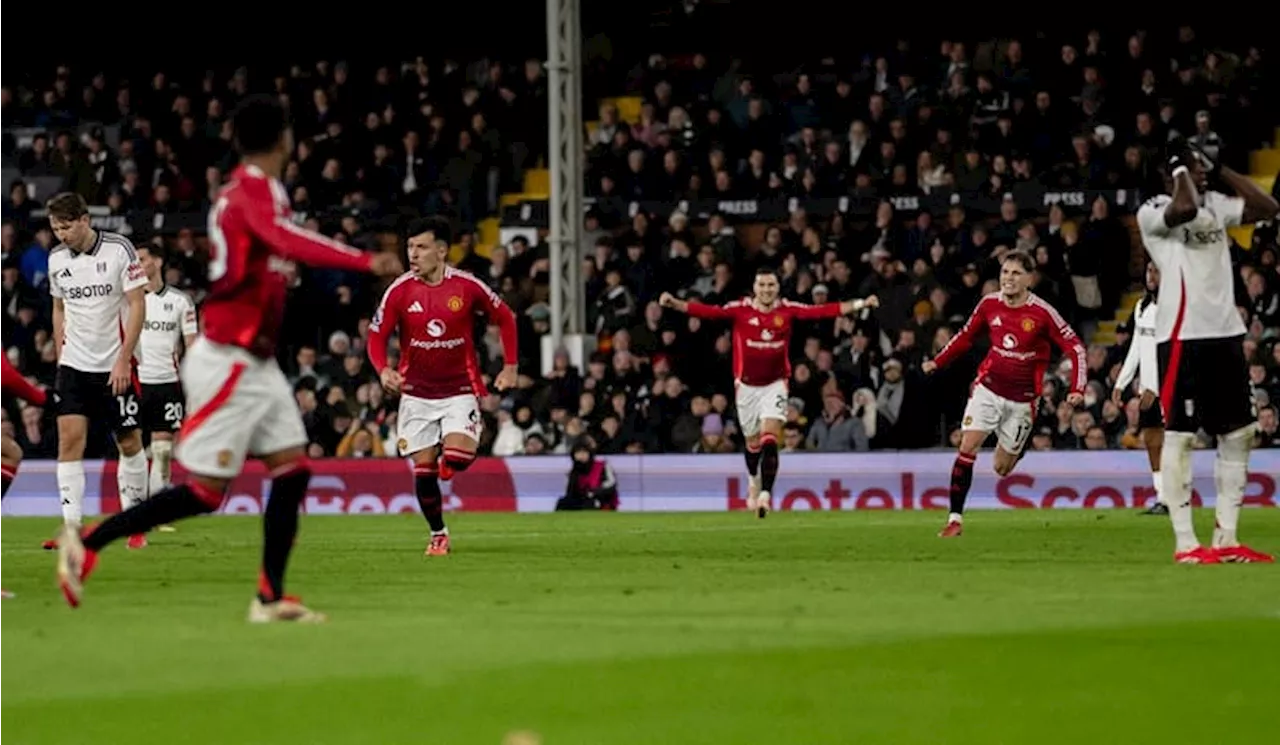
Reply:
x=1022, y=328
x=169, y=331
x=432, y=309
x=99, y=308
x=238, y=401
x=1140, y=361
x=762, y=368
x=1204, y=381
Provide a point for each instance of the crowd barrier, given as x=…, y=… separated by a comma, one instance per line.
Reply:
x=697, y=483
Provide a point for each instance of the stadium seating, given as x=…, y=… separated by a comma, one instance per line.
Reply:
x=499, y=187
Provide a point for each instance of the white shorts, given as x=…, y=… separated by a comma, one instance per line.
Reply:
x=1010, y=420
x=237, y=405
x=424, y=422
x=755, y=403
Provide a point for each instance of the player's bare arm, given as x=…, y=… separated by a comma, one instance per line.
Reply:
x=1186, y=170
x=59, y=324
x=122, y=371
x=1258, y=205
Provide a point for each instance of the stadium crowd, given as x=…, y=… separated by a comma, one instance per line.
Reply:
x=378, y=144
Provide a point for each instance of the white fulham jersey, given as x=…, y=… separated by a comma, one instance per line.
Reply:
x=92, y=285
x=1197, y=284
x=171, y=318
x=1141, y=359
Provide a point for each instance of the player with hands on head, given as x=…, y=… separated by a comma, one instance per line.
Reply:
x=1203, y=374
x=432, y=309
x=1022, y=328
x=762, y=326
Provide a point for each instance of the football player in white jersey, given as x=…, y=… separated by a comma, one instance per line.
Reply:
x=169, y=331
x=1204, y=381
x=99, y=307
x=1140, y=363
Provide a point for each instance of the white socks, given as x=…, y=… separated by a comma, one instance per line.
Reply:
x=1230, y=474
x=161, y=466
x=131, y=476
x=1175, y=489
x=955, y=517
x=1155, y=481
x=71, y=491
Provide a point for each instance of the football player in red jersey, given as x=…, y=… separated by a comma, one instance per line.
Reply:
x=10, y=452
x=238, y=401
x=762, y=368
x=432, y=309
x=1022, y=327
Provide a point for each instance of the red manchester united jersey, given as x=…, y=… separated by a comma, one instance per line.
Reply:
x=251, y=236
x=1020, y=339
x=435, y=324
x=762, y=338
x=17, y=385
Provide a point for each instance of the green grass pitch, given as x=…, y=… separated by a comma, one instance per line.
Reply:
x=1035, y=627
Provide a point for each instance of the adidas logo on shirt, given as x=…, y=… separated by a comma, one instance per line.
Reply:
x=416, y=307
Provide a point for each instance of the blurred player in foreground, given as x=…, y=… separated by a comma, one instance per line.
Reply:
x=432, y=309
x=1141, y=361
x=762, y=367
x=1021, y=326
x=170, y=330
x=1203, y=372
x=10, y=453
x=238, y=400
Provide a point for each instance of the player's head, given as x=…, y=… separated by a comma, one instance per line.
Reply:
x=766, y=286
x=260, y=126
x=428, y=244
x=1015, y=273
x=152, y=259
x=1152, y=277
x=69, y=219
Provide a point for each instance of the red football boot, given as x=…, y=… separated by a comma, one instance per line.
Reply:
x=439, y=545
x=1242, y=555
x=1197, y=555
x=137, y=541
x=446, y=473
x=953, y=530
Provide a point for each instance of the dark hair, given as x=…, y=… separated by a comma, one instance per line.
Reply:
x=152, y=249
x=762, y=271
x=1023, y=258
x=67, y=206
x=259, y=123
x=437, y=226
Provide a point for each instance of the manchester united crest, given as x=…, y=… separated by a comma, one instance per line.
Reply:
x=1028, y=325
x=455, y=303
